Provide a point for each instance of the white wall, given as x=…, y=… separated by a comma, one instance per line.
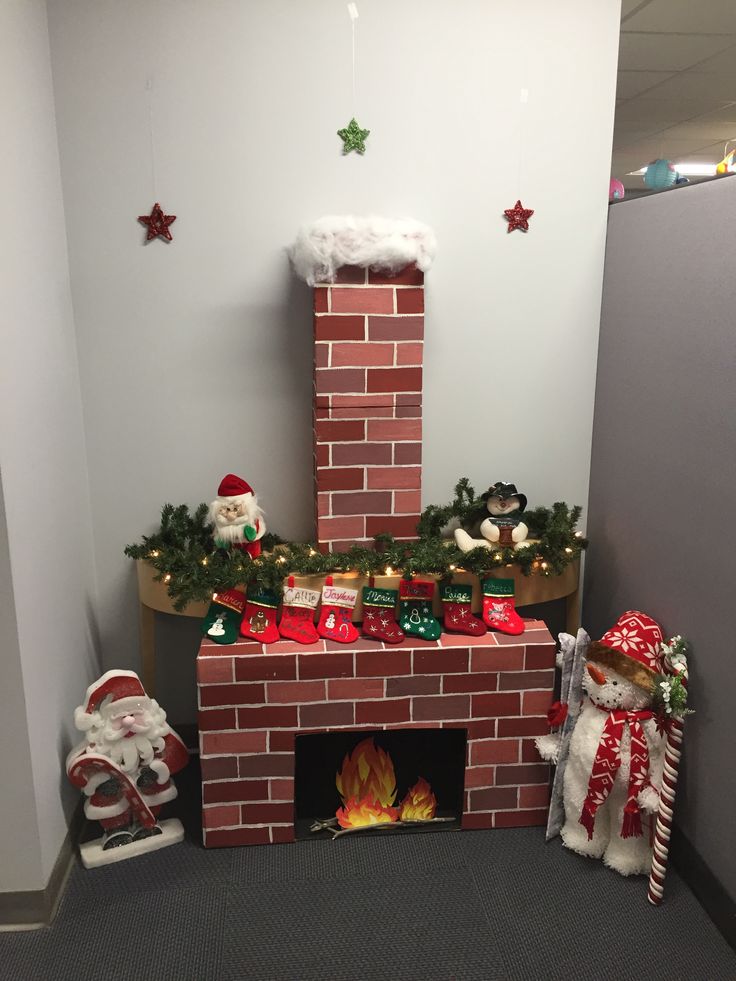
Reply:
x=42, y=454
x=20, y=852
x=195, y=356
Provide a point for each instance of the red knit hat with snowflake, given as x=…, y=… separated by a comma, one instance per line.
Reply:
x=632, y=647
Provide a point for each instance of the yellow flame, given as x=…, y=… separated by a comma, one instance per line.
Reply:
x=367, y=773
x=420, y=804
x=359, y=814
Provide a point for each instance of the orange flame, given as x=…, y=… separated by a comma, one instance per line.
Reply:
x=360, y=813
x=367, y=775
x=420, y=804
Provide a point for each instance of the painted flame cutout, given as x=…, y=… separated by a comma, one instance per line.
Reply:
x=367, y=775
x=360, y=813
x=420, y=804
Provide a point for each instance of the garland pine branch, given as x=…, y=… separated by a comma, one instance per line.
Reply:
x=185, y=556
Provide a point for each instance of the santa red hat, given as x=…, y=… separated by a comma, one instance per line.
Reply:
x=121, y=688
x=632, y=647
x=232, y=486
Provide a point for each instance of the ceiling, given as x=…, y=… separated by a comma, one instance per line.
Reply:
x=676, y=95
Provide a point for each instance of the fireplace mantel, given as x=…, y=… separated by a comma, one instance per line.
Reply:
x=254, y=700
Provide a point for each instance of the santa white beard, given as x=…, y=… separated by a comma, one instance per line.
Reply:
x=234, y=531
x=135, y=751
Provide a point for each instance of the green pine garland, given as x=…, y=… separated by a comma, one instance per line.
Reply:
x=184, y=554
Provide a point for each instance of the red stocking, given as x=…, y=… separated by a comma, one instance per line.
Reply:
x=297, y=619
x=459, y=618
x=335, y=619
x=498, y=606
x=379, y=615
x=259, y=619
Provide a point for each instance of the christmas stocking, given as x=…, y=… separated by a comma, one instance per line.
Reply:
x=223, y=617
x=297, y=619
x=498, y=606
x=259, y=620
x=379, y=618
x=416, y=618
x=458, y=616
x=335, y=619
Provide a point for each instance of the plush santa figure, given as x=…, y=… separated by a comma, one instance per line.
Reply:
x=504, y=525
x=125, y=762
x=237, y=519
x=614, y=768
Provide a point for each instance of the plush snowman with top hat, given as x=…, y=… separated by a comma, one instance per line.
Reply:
x=238, y=520
x=504, y=525
x=614, y=768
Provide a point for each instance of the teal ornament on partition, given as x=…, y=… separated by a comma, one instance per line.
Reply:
x=660, y=174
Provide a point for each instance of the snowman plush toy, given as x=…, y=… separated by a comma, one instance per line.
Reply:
x=614, y=767
x=504, y=524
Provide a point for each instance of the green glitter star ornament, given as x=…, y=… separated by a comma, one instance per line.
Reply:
x=353, y=137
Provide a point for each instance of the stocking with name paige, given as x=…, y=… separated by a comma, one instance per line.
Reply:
x=458, y=616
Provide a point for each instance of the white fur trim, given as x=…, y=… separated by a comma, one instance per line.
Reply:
x=98, y=812
x=124, y=706
x=387, y=244
x=94, y=782
x=166, y=794
x=160, y=769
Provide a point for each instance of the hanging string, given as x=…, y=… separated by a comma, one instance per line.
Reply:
x=353, y=11
x=523, y=99
x=149, y=95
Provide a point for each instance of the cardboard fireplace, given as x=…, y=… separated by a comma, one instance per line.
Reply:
x=329, y=738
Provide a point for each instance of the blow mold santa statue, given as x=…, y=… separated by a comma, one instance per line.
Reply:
x=238, y=520
x=613, y=771
x=124, y=767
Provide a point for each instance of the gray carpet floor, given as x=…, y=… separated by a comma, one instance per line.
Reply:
x=451, y=906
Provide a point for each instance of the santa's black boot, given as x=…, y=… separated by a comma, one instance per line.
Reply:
x=140, y=833
x=116, y=837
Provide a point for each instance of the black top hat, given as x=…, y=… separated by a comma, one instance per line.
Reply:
x=505, y=491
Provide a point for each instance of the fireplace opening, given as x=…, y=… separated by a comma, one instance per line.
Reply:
x=382, y=782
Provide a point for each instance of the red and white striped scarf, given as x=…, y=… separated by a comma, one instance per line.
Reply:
x=605, y=767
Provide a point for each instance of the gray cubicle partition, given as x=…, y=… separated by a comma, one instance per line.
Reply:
x=662, y=508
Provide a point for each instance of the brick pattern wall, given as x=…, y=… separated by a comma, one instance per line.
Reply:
x=368, y=340
x=253, y=700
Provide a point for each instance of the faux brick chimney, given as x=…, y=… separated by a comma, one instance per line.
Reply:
x=368, y=345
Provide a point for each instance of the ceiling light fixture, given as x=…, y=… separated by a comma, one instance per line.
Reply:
x=686, y=169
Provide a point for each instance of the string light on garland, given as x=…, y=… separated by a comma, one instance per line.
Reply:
x=178, y=550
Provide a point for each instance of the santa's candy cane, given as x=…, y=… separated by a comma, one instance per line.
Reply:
x=673, y=751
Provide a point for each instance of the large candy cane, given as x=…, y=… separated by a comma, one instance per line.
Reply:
x=663, y=828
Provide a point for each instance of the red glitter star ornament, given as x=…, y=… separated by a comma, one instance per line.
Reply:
x=518, y=217
x=157, y=223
